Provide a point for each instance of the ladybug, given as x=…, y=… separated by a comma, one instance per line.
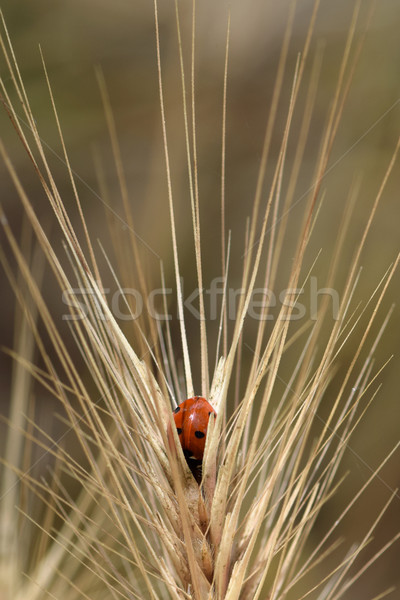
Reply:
x=191, y=420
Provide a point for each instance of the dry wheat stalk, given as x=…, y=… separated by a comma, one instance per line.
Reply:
x=140, y=526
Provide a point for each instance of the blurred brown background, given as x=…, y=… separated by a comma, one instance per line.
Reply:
x=119, y=38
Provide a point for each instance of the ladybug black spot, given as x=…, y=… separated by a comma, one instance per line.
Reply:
x=177, y=409
x=179, y=430
x=199, y=434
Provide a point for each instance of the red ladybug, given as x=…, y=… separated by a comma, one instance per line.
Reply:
x=191, y=420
